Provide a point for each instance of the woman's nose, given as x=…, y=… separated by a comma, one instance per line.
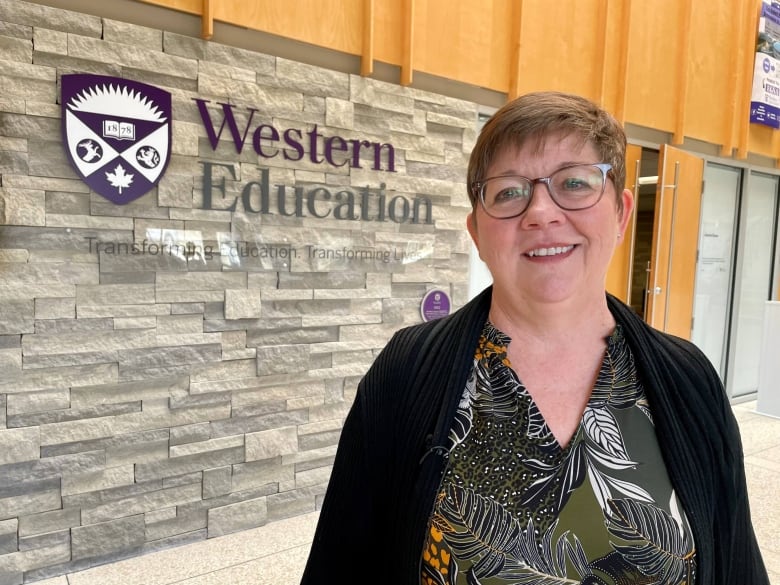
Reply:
x=542, y=209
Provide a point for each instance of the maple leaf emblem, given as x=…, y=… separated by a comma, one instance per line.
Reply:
x=119, y=178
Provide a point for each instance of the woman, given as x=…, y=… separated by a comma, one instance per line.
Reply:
x=543, y=433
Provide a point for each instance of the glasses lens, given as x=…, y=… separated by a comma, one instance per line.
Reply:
x=577, y=187
x=506, y=196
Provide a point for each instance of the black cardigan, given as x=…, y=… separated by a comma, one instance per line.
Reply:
x=391, y=456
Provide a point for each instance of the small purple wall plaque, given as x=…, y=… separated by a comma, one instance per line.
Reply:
x=435, y=305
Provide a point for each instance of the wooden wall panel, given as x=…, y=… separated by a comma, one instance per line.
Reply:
x=562, y=46
x=654, y=57
x=388, y=31
x=709, y=106
x=465, y=41
x=336, y=24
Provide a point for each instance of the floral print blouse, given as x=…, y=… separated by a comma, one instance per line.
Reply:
x=514, y=507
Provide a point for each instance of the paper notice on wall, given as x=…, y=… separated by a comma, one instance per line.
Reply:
x=765, y=100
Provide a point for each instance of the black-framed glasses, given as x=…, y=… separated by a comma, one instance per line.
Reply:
x=572, y=188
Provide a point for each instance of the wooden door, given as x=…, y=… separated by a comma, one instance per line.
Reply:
x=619, y=274
x=675, y=241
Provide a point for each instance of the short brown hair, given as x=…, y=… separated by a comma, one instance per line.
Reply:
x=537, y=115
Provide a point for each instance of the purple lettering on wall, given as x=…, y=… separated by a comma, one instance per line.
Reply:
x=294, y=143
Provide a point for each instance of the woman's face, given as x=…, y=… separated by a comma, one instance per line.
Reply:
x=576, y=246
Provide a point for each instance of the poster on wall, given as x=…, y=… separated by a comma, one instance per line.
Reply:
x=765, y=99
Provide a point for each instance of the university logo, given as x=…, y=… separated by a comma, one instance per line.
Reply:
x=117, y=133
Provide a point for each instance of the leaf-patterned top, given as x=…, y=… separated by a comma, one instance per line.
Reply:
x=516, y=508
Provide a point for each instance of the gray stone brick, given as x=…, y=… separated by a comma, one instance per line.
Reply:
x=271, y=443
x=31, y=560
x=52, y=521
x=164, y=498
x=282, y=359
x=9, y=573
x=222, y=428
x=293, y=503
x=18, y=126
x=83, y=325
x=188, y=401
x=9, y=536
x=188, y=463
x=184, y=522
x=11, y=359
x=50, y=41
x=28, y=81
x=58, y=539
x=15, y=506
x=13, y=162
x=65, y=203
x=73, y=414
x=122, y=32
x=218, y=53
x=153, y=447
x=99, y=539
x=30, y=14
x=38, y=474
x=242, y=304
x=102, y=479
x=258, y=408
x=103, y=497
x=159, y=515
x=257, y=474
x=156, y=357
x=10, y=341
x=217, y=482
x=20, y=445
x=77, y=430
x=190, y=433
x=56, y=274
x=322, y=280
x=131, y=56
x=313, y=80
x=17, y=316
x=100, y=311
x=55, y=308
x=41, y=401
x=108, y=294
x=128, y=374
x=180, y=480
x=339, y=113
x=98, y=341
x=318, y=440
x=45, y=156
x=238, y=516
x=187, y=308
x=297, y=335
x=207, y=446
x=17, y=31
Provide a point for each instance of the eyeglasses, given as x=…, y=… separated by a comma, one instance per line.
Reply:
x=572, y=188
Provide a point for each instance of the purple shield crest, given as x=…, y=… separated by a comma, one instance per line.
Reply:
x=117, y=133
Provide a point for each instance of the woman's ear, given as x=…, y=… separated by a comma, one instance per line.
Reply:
x=471, y=225
x=627, y=198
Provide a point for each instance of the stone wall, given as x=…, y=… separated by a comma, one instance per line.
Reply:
x=152, y=399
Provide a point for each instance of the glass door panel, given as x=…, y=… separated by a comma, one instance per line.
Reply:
x=714, y=264
x=754, y=281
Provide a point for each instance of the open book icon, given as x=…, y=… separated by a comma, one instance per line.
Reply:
x=118, y=130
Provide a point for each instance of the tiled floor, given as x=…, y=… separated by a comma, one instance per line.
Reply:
x=275, y=554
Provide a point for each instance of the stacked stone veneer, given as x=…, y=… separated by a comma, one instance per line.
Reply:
x=152, y=400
